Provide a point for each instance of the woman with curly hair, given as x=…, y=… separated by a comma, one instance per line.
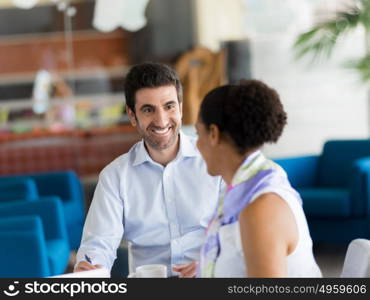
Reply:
x=259, y=229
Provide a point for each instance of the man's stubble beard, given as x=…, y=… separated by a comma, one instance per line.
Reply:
x=153, y=144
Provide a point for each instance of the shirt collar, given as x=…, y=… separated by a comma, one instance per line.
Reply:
x=186, y=149
x=141, y=155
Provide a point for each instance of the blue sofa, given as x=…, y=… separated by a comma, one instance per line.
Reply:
x=67, y=186
x=33, y=238
x=335, y=189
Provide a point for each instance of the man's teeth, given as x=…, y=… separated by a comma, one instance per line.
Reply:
x=161, y=131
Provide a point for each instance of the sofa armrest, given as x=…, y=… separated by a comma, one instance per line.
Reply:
x=301, y=170
x=360, y=187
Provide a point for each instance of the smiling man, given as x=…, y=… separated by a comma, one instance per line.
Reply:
x=158, y=196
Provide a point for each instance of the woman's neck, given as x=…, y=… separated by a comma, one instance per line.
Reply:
x=231, y=161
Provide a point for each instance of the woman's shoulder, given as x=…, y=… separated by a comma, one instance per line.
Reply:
x=266, y=206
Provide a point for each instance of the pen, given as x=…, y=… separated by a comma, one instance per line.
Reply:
x=88, y=259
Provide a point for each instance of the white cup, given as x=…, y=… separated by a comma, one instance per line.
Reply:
x=149, y=271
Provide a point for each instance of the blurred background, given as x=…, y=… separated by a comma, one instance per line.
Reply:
x=63, y=64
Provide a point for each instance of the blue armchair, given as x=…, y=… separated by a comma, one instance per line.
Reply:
x=18, y=189
x=33, y=249
x=23, y=247
x=335, y=189
x=67, y=186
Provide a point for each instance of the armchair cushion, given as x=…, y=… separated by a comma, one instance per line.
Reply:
x=336, y=161
x=327, y=203
x=301, y=171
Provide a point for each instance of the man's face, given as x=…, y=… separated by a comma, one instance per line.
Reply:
x=158, y=116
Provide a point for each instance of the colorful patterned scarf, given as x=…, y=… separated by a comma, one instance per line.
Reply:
x=255, y=174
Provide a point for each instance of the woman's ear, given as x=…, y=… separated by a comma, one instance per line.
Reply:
x=131, y=116
x=214, y=134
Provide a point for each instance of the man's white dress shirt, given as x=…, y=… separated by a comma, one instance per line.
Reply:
x=161, y=211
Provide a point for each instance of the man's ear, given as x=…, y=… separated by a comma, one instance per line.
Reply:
x=214, y=134
x=131, y=116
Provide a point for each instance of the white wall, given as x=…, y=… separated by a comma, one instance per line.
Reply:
x=218, y=20
x=323, y=101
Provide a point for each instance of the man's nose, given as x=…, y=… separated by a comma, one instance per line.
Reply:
x=161, y=118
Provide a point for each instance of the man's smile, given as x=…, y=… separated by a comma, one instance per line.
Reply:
x=161, y=131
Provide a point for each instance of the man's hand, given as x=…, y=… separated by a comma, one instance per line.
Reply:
x=187, y=270
x=85, y=266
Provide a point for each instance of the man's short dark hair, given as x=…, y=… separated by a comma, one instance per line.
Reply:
x=150, y=75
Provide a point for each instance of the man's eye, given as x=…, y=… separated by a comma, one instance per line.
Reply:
x=170, y=106
x=147, y=110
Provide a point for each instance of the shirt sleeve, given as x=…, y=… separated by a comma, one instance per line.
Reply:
x=103, y=229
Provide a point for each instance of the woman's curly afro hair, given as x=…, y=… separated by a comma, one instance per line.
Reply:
x=249, y=112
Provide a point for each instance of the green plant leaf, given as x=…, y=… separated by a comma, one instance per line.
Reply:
x=362, y=66
x=322, y=38
x=365, y=14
